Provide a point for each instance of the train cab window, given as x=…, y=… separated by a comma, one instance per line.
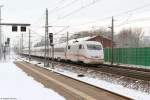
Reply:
x=94, y=47
x=69, y=47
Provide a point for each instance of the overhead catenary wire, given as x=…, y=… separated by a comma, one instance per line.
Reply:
x=62, y=7
x=49, y=7
x=132, y=10
x=126, y=12
x=67, y=5
x=65, y=28
x=117, y=15
x=56, y=4
x=106, y=18
x=76, y=10
x=135, y=20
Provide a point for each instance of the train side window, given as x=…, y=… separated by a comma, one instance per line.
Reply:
x=69, y=47
x=80, y=46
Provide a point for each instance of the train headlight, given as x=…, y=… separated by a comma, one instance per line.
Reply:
x=96, y=56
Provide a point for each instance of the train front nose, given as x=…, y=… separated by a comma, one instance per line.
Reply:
x=96, y=54
x=96, y=57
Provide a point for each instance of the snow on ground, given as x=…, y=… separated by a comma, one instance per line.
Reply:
x=108, y=86
x=16, y=85
x=134, y=94
x=130, y=65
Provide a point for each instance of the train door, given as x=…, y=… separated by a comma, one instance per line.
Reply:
x=80, y=52
x=72, y=52
x=75, y=53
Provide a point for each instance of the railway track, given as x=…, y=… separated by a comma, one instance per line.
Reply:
x=137, y=73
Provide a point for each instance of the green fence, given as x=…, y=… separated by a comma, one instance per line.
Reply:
x=135, y=56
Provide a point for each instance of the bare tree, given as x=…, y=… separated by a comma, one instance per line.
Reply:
x=101, y=32
x=129, y=37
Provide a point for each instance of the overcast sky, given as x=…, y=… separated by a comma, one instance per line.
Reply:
x=66, y=12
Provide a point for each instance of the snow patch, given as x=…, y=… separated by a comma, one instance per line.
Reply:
x=14, y=83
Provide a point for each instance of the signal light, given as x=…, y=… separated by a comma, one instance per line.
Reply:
x=23, y=29
x=14, y=29
x=8, y=40
x=51, y=38
x=6, y=43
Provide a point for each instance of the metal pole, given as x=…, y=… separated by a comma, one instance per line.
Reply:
x=53, y=55
x=67, y=37
x=45, y=51
x=4, y=52
x=22, y=43
x=29, y=45
x=48, y=43
x=52, y=48
x=67, y=43
x=0, y=33
x=112, y=43
x=46, y=37
x=20, y=46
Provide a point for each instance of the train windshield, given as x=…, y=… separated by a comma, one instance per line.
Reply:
x=94, y=47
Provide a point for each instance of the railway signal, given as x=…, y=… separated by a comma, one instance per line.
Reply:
x=14, y=28
x=23, y=28
x=8, y=41
x=51, y=38
x=52, y=45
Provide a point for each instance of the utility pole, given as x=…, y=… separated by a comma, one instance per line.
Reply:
x=52, y=46
x=20, y=46
x=67, y=37
x=29, y=45
x=22, y=43
x=46, y=39
x=112, y=42
x=52, y=55
x=67, y=43
x=0, y=33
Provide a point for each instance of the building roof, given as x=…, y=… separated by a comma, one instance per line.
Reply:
x=90, y=37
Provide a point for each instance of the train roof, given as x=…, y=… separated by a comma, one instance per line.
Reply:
x=83, y=39
x=73, y=41
x=79, y=41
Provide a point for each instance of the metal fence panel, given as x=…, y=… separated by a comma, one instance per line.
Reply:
x=135, y=56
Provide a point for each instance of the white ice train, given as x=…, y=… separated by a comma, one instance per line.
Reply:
x=89, y=52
